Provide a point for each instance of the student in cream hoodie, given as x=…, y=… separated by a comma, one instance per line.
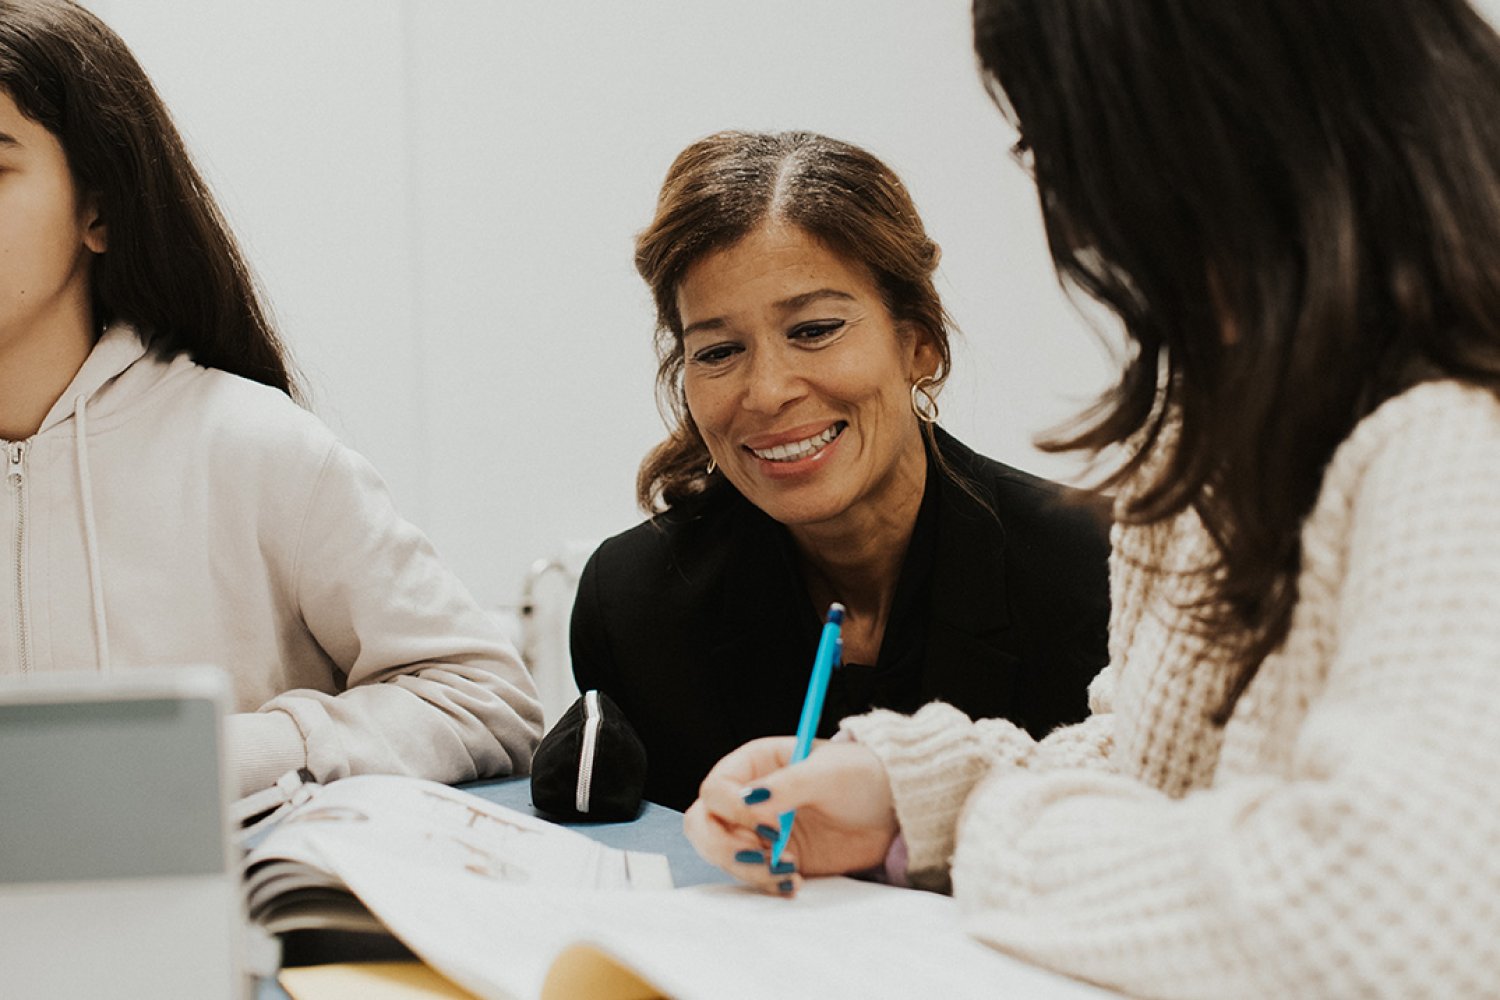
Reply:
x=166, y=500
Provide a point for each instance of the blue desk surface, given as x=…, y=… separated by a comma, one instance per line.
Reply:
x=657, y=829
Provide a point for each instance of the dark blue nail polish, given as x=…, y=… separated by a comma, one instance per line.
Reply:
x=755, y=795
x=784, y=887
x=750, y=857
x=783, y=868
x=768, y=832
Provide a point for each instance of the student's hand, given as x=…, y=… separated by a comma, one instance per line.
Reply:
x=846, y=818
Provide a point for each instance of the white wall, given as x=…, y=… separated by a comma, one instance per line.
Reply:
x=440, y=199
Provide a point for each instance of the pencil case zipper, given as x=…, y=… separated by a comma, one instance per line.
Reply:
x=592, y=719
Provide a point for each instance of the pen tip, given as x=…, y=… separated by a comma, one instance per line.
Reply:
x=836, y=613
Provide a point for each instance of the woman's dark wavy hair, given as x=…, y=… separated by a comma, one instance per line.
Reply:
x=172, y=267
x=721, y=188
x=1294, y=207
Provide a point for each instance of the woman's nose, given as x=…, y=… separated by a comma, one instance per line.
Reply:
x=774, y=380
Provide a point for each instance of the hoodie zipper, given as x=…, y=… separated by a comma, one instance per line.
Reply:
x=15, y=477
x=591, y=721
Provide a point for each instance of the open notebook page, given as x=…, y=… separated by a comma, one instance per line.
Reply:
x=838, y=938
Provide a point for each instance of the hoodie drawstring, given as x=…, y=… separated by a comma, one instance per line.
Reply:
x=90, y=534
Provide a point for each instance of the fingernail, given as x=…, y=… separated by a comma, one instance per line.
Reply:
x=784, y=887
x=755, y=795
x=783, y=868
x=767, y=832
x=750, y=858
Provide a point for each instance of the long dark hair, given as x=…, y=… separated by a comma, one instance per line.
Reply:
x=1294, y=207
x=721, y=188
x=172, y=267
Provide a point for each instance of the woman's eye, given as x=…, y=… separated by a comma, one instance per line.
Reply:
x=715, y=354
x=815, y=331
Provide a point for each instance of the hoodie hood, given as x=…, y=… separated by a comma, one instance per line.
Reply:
x=118, y=350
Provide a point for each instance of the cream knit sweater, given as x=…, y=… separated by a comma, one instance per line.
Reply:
x=1340, y=837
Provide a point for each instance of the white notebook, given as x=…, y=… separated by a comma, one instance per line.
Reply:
x=293, y=871
x=840, y=938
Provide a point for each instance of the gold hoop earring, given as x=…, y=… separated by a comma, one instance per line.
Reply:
x=712, y=465
x=923, y=400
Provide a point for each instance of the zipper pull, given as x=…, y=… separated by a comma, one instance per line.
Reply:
x=15, y=470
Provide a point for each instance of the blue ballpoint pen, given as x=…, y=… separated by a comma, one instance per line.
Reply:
x=830, y=653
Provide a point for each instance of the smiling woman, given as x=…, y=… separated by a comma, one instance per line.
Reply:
x=801, y=345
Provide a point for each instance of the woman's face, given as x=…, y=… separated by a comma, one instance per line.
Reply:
x=799, y=379
x=46, y=236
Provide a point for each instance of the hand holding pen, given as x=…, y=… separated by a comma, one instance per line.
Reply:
x=844, y=815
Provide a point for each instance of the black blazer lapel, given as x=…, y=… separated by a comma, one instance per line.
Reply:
x=761, y=650
x=971, y=654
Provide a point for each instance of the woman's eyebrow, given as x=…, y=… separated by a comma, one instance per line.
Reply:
x=798, y=301
x=785, y=305
x=8, y=140
x=704, y=325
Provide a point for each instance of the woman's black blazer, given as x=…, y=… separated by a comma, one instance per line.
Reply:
x=697, y=624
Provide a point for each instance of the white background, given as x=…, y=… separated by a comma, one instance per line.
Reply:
x=440, y=201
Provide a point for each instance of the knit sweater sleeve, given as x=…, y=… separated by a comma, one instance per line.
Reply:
x=935, y=758
x=1360, y=860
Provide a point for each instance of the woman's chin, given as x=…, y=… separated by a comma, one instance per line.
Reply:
x=796, y=507
x=797, y=491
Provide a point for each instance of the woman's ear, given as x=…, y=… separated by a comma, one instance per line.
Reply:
x=95, y=232
x=924, y=358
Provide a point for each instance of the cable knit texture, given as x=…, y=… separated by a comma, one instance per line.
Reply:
x=1338, y=837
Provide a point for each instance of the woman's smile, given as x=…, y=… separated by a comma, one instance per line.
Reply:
x=798, y=449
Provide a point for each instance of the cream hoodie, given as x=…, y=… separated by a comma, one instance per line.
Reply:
x=170, y=514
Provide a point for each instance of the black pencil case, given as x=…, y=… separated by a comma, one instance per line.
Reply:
x=591, y=766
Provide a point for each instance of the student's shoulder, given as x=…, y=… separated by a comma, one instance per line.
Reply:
x=239, y=413
x=237, y=430
x=1438, y=410
x=1439, y=431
